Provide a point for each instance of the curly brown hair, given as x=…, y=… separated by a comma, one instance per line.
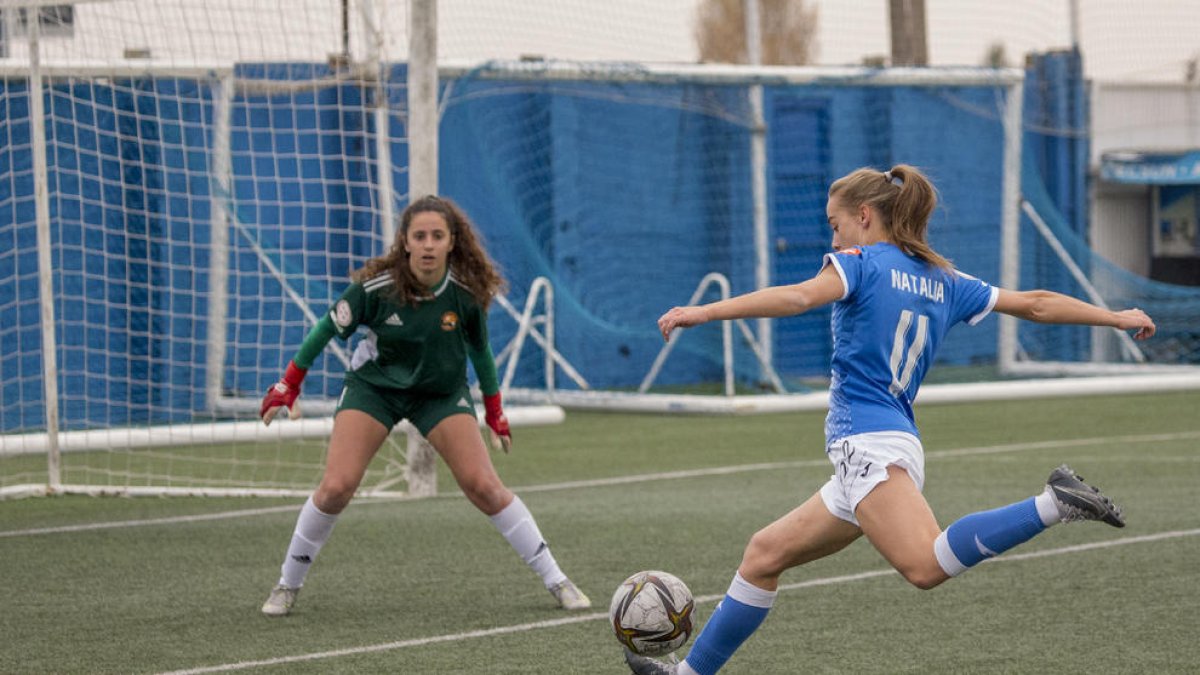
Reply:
x=468, y=260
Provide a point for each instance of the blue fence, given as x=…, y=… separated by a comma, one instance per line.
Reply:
x=624, y=195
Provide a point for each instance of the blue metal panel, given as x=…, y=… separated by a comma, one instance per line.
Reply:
x=625, y=195
x=799, y=153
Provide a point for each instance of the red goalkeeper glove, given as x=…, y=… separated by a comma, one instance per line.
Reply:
x=497, y=421
x=283, y=394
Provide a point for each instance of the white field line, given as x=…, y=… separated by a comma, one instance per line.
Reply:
x=939, y=454
x=597, y=616
x=626, y=480
x=170, y=520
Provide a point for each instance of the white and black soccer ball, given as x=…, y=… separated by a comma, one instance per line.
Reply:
x=651, y=613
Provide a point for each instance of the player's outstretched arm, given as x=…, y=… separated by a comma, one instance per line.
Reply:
x=1050, y=307
x=771, y=302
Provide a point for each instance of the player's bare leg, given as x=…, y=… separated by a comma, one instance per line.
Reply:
x=355, y=439
x=806, y=533
x=457, y=439
x=898, y=521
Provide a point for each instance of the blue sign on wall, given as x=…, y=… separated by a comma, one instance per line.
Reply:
x=1152, y=168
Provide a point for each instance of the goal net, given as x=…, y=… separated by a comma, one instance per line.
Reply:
x=1060, y=258
x=188, y=183
x=634, y=193
x=187, y=186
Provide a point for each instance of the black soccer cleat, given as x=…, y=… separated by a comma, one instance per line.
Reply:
x=644, y=665
x=1076, y=500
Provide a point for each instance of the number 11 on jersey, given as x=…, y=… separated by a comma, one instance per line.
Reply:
x=906, y=358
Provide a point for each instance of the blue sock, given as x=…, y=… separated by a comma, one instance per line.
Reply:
x=735, y=619
x=978, y=536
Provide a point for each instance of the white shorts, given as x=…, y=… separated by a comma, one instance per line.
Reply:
x=860, y=463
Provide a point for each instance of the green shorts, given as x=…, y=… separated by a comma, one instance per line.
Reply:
x=389, y=406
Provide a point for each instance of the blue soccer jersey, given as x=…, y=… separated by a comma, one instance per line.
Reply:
x=886, y=331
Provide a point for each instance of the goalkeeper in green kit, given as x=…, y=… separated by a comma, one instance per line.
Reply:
x=424, y=304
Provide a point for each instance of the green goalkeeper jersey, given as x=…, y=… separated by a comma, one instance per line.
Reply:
x=421, y=347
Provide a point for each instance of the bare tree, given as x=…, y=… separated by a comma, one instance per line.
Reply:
x=788, y=30
x=910, y=44
x=995, y=56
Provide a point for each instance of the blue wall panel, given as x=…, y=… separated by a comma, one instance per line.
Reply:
x=593, y=193
x=624, y=195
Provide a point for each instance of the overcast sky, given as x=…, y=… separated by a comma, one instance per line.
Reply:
x=1121, y=39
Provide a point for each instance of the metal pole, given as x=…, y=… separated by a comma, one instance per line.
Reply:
x=1074, y=19
x=422, y=99
x=758, y=179
x=37, y=135
x=385, y=189
x=1010, y=223
x=346, y=30
x=218, y=266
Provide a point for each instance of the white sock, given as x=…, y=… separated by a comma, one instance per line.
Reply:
x=949, y=562
x=516, y=523
x=747, y=593
x=312, y=531
x=1047, y=508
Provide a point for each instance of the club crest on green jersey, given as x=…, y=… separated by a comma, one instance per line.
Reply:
x=342, y=315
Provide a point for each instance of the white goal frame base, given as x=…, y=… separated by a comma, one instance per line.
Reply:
x=417, y=463
x=931, y=394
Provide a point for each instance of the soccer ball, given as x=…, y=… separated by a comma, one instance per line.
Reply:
x=651, y=613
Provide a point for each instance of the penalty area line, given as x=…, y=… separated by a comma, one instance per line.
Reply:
x=165, y=520
x=401, y=644
x=596, y=616
x=951, y=453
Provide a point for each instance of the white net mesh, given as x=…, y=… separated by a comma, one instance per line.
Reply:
x=215, y=168
x=211, y=184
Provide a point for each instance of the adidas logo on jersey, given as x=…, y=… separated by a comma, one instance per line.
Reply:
x=464, y=403
x=394, y=320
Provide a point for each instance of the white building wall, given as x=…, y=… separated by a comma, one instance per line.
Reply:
x=1133, y=116
x=1120, y=219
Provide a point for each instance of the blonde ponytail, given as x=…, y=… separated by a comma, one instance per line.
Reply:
x=904, y=199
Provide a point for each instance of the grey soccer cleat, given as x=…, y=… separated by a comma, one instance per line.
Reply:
x=280, y=601
x=569, y=596
x=644, y=665
x=1076, y=500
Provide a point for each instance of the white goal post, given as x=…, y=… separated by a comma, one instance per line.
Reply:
x=203, y=175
